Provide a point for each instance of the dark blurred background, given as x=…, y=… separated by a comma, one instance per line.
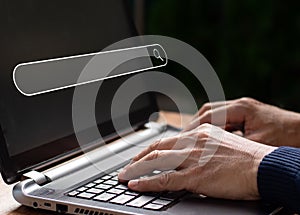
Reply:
x=252, y=45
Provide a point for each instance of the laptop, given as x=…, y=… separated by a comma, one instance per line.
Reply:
x=39, y=150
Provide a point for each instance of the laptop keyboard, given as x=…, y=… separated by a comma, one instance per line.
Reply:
x=108, y=189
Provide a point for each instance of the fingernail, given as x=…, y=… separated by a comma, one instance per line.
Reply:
x=133, y=183
x=121, y=175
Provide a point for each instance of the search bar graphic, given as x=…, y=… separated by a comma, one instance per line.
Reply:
x=38, y=77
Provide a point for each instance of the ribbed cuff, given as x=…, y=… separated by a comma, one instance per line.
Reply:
x=278, y=178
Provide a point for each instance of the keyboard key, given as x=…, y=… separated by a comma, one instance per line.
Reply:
x=95, y=190
x=113, y=174
x=103, y=186
x=153, y=206
x=104, y=197
x=162, y=202
x=98, y=181
x=140, y=201
x=111, y=182
x=173, y=195
x=106, y=177
x=122, y=199
x=81, y=189
x=86, y=195
x=156, y=172
x=115, y=178
x=132, y=193
x=122, y=187
x=119, y=170
x=73, y=193
x=90, y=185
x=115, y=191
x=151, y=194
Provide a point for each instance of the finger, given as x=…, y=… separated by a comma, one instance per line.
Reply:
x=163, y=144
x=211, y=105
x=221, y=116
x=194, y=124
x=234, y=127
x=157, y=160
x=171, y=181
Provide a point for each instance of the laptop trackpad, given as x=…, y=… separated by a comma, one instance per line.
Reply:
x=209, y=206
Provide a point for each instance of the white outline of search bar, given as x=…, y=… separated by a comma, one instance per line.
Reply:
x=17, y=68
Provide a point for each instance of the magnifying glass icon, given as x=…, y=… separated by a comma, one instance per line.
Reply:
x=157, y=55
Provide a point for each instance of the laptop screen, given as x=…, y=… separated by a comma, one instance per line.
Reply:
x=38, y=129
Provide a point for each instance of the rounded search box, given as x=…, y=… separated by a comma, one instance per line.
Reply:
x=34, y=78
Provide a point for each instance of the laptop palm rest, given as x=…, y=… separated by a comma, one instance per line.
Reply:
x=114, y=159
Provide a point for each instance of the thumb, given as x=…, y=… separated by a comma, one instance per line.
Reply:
x=167, y=181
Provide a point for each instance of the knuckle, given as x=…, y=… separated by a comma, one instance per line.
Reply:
x=159, y=143
x=206, y=105
x=195, y=153
x=246, y=103
x=154, y=145
x=154, y=154
x=203, y=136
x=208, y=113
x=164, y=180
x=245, y=100
x=204, y=131
x=145, y=182
x=205, y=126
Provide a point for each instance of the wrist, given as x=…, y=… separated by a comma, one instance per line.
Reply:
x=259, y=154
x=292, y=129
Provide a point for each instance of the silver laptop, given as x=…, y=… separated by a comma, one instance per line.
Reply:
x=38, y=147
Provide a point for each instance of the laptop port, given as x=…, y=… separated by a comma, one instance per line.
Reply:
x=35, y=204
x=47, y=204
x=61, y=208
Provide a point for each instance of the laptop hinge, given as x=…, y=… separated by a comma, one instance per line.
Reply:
x=38, y=177
x=161, y=127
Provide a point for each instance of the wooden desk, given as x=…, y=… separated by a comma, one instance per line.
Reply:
x=8, y=206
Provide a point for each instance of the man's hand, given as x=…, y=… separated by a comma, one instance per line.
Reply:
x=259, y=122
x=206, y=160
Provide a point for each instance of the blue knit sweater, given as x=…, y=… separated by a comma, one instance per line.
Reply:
x=279, y=178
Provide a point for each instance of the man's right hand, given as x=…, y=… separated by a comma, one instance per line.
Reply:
x=258, y=121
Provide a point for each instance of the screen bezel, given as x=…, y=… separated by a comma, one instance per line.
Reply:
x=13, y=167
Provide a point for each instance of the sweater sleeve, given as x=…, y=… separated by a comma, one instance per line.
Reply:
x=278, y=178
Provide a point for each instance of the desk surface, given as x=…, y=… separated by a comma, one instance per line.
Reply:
x=8, y=206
